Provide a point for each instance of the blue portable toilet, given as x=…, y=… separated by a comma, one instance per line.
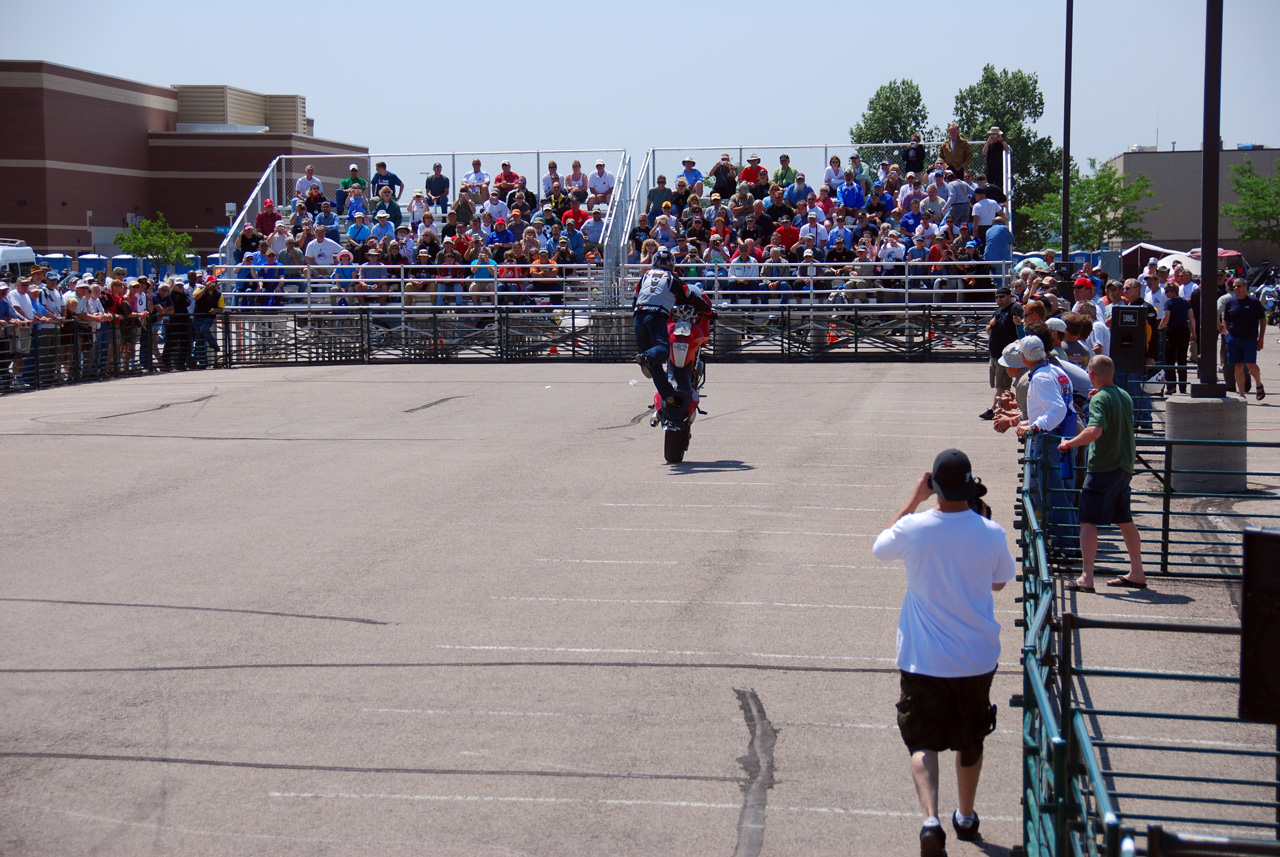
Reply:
x=91, y=263
x=132, y=265
x=58, y=262
x=180, y=270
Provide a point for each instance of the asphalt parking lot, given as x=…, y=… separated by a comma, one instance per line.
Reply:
x=469, y=610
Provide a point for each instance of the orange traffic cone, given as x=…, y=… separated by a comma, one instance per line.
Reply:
x=831, y=334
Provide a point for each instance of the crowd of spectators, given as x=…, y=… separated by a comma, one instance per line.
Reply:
x=502, y=236
x=862, y=233
x=55, y=329
x=1074, y=316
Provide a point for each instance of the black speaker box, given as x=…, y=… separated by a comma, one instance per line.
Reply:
x=1129, y=338
x=1260, y=628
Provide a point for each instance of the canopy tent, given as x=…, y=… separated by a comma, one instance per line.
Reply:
x=1134, y=259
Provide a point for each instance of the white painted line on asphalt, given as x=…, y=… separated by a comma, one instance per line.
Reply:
x=151, y=825
x=669, y=804
x=709, y=564
x=741, y=506
x=614, y=561
x=729, y=532
x=654, y=718
x=767, y=484
x=666, y=652
x=1147, y=739
x=686, y=602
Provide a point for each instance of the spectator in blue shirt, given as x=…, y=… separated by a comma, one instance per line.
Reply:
x=849, y=194
x=576, y=243
x=326, y=218
x=381, y=178
x=998, y=246
x=692, y=177
x=593, y=229
x=358, y=232
x=797, y=191
x=384, y=230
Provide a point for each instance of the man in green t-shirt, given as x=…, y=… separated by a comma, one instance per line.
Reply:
x=1104, y=499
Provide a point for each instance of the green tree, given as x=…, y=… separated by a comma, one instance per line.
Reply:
x=893, y=114
x=1012, y=100
x=155, y=241
x=1104, y=207
x=1257, y=216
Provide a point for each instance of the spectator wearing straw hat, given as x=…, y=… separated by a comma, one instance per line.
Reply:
x=692, y=176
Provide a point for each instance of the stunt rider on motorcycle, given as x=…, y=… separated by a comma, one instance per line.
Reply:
x=657, y=294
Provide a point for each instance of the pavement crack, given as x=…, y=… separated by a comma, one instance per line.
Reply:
x=433, y=404
x=159, y=407
x=634, y=421
x=758, y=763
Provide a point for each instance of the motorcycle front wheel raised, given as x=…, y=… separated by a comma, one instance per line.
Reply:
x=674, y=444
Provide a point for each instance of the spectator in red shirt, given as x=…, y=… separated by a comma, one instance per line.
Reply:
x=267, y=219
x=756, y=175
x=506, y=181
x=789, y=234
x=577, y=215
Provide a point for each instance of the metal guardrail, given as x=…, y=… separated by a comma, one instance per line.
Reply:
x=1073, y=802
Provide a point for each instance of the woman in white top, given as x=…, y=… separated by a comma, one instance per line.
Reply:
x=834, y=175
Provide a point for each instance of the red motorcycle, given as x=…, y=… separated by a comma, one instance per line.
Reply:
x=688, y=330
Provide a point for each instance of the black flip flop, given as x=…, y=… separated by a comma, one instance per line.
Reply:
x=1075, y=587
x=1125, y=583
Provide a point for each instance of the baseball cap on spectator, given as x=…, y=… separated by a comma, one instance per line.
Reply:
x=813, y=215
x=1153, y=261
x=877, y=184
x=1031, y=348
x=1083, y=283
x=1057, y=324
x=268, y=203
x=353, y=167
x=953, y=477
x=501, y=221
x=970, y=244
x=599, y=162
x=418, y=193
x=437, y=166
x=1047, y=281
x=1011, y=357
x=248, y=226
x=884, y=162
x=808, y=254
x=715, y=196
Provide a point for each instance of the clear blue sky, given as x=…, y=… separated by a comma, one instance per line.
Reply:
x=405, y=77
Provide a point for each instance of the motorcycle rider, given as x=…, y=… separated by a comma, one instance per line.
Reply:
x=657, y=294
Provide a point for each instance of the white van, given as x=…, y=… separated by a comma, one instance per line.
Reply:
x=16, y=258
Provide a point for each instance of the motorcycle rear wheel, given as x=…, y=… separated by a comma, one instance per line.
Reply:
x=674, y=444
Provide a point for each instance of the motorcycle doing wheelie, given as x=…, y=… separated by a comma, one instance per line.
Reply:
x=688, y=330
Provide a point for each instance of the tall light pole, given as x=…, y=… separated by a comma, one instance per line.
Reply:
x=1207, y=368
x=1066, y=139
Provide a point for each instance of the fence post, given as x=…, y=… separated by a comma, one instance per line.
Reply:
x=1064, y=767
x=225, y=318
x=1166, y=502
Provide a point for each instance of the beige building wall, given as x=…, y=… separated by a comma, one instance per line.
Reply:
x=1175, y=179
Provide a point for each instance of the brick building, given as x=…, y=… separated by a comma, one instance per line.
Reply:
x=83, y=153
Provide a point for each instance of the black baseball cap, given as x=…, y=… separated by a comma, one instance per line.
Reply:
x=953, y=477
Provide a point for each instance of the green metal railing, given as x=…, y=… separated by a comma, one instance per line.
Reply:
x=1084, y=792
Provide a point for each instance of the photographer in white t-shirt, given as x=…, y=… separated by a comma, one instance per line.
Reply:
x=948, y=636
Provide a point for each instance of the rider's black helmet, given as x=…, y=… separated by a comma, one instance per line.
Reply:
x=663, y=259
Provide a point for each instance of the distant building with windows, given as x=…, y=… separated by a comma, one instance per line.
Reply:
x=84, y=154
x=1175, y=180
